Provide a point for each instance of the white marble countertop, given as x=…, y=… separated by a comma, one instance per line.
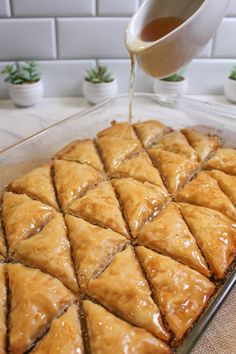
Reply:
x=18, y=123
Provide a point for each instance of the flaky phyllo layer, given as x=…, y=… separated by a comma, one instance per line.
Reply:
x=117, y=244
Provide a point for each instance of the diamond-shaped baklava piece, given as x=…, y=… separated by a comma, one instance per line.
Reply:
x=108, y=333
x=49, y=251
x=140, y=201
x=182, y=293
x=224, y=160
x=37, y=184
x=73, y=179
x=120, y=130
x=23, y=217
x=82, y=151
x=205, y=191
x=150, y=132
x=3, y=310
x=115, y=150
x=214, y=234
x=177, y=143
x=140, y=168
x=169, y=234
x=93, y=247
x=64, y=335
x=174, y=169
x=123, y=289
x=36, y=299
x=203, y=145
x=100, y=206
x=226, y=182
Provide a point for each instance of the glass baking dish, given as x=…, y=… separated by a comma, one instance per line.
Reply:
x=177, y=113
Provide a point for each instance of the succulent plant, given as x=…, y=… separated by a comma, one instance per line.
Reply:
x=233, y=74
x=99, y=75
x=174, y=77
x=22, y=73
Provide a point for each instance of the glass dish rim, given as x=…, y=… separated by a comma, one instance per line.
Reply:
x=208, y=314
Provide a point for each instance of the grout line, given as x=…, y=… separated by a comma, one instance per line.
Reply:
x=96, y=8
x=56, y=38
x=11, y=9
x=213, y=47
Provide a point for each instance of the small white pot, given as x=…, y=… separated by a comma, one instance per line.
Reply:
x=170, y=87
x=230, y=89
x=96, y=93
x=26, y=94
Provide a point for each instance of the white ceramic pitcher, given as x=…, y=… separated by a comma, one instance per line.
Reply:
x=175, y=50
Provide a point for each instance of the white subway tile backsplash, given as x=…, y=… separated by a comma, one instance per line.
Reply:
x=64, y=78
x=208, y=76
x=121, y=70
x=54, y=8
x=92, y=38
x=3, y=84
x=117, y=7
x=206, y=52
x=143, y=82
x=231, y=11
x=4, y=8
x=225, y=43
x=87, y=30
x=27, y=39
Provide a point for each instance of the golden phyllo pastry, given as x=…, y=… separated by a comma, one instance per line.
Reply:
x=100, y=206
x=93, y=247
x=174, y=169
x=150, y=132
x=115, y=150
x=82, y=151
x=177, y=143
x=224, y=160
x=3, y=310
x=120, y=130
x=214, y=234
x=140, y=168
x=203, y=145
x=109, y=334
x=37, y=184
x=205, y=191
x=64, y=335
x=109, y=247
x=73, y=179
x=139, y=200
x=49, y=251
x=36, y=299
x=169, y=234
x=123, y=289
x=181, y=292
x=3, y=250
x=23, y=217
x=226, y=182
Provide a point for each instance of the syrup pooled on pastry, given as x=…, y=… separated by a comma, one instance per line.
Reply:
x=151, y=32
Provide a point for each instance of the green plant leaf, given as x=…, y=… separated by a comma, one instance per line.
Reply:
x=233, y=73
x=99, y=75
x=174, y=78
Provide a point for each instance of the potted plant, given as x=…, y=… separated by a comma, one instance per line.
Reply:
x=99, y=84
x=230, y=86
x=174, y=84
x=24, y=83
